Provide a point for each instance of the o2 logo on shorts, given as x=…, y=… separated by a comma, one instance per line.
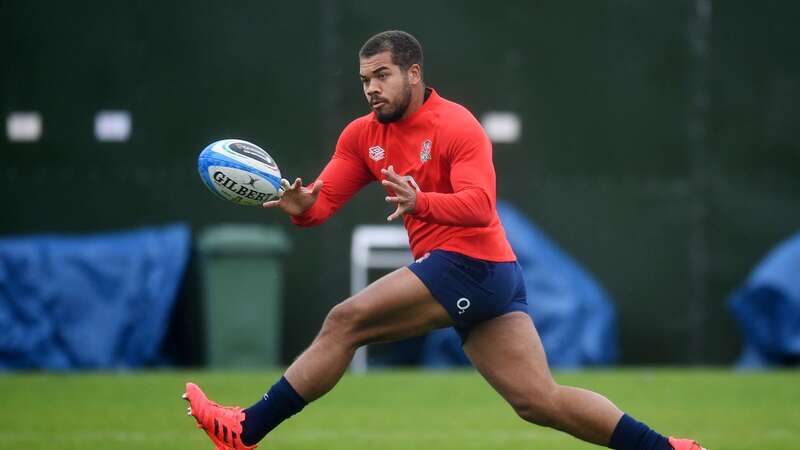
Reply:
x=462, y=304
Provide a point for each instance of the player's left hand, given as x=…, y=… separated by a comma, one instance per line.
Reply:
x=405, y=196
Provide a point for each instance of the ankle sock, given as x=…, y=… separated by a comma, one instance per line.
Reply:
x=277, y=405
x=631, y=434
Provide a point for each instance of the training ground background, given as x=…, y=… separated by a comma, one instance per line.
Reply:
x=392, y=410
x=659, y=148
x=659, y=141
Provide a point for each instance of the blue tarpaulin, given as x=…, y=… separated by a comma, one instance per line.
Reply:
x=89, y=302
x=767, y=308
x=572, y=313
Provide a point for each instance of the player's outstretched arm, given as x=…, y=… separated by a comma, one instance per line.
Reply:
x=296, y=198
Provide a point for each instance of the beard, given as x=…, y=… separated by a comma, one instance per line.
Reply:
x=397, y=111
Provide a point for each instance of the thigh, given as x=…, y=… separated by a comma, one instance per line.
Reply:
x=395, y=306
x=507, y=351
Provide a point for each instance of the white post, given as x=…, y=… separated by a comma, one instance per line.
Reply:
x=374, y=247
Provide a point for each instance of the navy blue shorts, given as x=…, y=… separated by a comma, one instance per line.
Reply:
x=472, y=290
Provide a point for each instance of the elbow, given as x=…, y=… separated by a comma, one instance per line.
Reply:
x=484, y=212
x=482, y=220
x=486, y=220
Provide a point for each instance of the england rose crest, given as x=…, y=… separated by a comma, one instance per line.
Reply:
x=425, y=153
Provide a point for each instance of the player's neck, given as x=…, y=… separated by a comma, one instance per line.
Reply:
x=418, y=97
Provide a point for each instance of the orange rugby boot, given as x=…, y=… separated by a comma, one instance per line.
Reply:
x=222, y=424
x=684, y=444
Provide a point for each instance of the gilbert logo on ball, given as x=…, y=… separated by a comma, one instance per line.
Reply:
x=240, y=172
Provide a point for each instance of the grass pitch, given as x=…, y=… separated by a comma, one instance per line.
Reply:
x=407, y=410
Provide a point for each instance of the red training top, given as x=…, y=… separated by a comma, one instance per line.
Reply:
x=442, y=151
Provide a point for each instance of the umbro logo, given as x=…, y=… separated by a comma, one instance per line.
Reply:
x=376, y=153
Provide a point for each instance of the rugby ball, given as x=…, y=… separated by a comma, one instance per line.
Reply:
x=240, y=172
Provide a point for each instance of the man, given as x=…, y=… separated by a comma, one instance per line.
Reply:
x=436, y=164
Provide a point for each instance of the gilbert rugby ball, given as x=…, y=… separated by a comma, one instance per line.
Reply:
x=240, y=172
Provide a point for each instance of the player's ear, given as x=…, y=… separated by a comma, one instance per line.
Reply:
x=414, y=74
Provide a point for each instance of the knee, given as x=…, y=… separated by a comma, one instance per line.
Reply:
x=540, y=408
x=342, y=324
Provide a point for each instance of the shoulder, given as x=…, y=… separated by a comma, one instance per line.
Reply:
x=456, y=120
x=352, y=135
x=458, y=125
x=357, y=126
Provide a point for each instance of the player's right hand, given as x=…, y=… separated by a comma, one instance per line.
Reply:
x=295, y=198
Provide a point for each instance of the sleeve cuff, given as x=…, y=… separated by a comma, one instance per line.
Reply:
x=422, y=205
x=303, y=219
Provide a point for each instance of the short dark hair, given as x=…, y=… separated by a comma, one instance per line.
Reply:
x=404, y=47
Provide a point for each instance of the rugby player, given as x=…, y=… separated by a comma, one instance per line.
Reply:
x=435, y=161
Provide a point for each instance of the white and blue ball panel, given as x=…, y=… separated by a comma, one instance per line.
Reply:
x=246, y=153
